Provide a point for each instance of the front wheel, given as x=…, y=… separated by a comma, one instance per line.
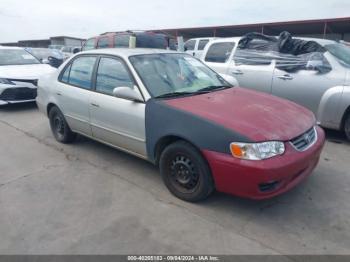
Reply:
x=347, y=127
x=59, y=127
x=185, y=172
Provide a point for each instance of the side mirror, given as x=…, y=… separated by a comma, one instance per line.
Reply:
x=128, y=93
x=230, y=79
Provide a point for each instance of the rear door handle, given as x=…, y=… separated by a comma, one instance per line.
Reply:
x=285, y=77
x=95, y=105
x=237, y=72
x=58, y=93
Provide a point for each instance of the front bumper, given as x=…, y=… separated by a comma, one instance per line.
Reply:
x=266, y=178
x=18, y=95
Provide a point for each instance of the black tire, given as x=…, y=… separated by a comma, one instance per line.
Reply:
x=347, y=127
x=185, y=172
x=59, y=126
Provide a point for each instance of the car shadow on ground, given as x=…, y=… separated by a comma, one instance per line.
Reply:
x=221, y=202
x=336, y=136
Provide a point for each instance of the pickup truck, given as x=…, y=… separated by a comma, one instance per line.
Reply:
x=318, y=77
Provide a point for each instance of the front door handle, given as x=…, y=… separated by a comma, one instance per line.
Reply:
x=58, y=93
x=285, y=77
x=95, y=105
x=237, y=72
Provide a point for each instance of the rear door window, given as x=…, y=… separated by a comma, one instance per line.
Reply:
x=80, y=72
x=219, y=52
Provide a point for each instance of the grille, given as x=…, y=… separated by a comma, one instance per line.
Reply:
x=14, y=94
x=304, y=141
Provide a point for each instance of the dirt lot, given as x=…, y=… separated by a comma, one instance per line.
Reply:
x=87, y=198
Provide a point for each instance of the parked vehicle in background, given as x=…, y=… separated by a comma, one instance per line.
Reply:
x=312, y=72
x=19, y=73
x=195, y=46
x=52, y=57
x=154, y=104
x=58, y=47
x=68, y=51
x=139, y=39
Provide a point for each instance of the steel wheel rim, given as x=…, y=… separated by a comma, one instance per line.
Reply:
x=184, y=175
x=58, y=125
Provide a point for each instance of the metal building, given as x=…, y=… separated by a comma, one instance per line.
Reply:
x=55, y=40
x=335, y=28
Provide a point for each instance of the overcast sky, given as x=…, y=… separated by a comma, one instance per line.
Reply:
x=40, y=19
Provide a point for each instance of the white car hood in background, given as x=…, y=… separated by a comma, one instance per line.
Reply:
x=25, y=71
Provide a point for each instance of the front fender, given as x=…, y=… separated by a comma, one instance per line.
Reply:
x=328, y=110
x=163, y=120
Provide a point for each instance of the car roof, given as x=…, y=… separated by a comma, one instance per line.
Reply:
x=226, y=39
x=320, y=41
x=126, y=52
x=201, y=38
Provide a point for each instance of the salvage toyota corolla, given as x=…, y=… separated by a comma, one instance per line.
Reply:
x=174, y=111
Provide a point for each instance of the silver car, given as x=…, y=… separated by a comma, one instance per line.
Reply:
x=173, y=110
x=322, y=84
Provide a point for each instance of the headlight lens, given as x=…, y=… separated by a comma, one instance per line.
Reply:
x=6, y=81
x=257, y=151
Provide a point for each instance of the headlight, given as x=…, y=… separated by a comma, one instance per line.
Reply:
x=257, y=151
x=6, y=81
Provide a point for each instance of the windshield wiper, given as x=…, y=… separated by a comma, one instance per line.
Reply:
x=200, y=91
x=174, y=94
x=211, y=88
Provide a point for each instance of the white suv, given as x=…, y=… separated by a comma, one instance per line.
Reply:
x=195, y=46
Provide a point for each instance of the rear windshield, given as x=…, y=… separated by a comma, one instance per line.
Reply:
x=151, y=41
x=16, y=57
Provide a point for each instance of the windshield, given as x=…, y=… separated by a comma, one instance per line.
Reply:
x=16, y=57
x=43, y=53
x=175, y=74
x=341, y=52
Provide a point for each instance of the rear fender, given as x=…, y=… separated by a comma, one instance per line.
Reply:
x=329, y=110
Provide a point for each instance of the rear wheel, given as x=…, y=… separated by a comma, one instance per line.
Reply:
x=185, y=172
x=347, y=126
x=59, y=126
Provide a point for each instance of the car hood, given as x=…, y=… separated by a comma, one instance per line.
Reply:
x=258, y=116
x=25, y=71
